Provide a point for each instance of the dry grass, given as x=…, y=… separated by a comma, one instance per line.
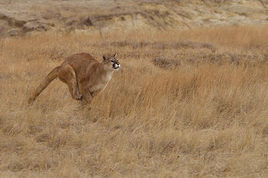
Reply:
x=204, y=117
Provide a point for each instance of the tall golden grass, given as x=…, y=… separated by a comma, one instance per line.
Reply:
x=206, y=116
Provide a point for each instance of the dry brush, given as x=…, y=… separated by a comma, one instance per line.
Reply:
x=197, y=113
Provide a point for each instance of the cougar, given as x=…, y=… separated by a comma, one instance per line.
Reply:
x=84, y=76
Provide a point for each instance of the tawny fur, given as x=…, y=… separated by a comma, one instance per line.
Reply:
x=84, y=76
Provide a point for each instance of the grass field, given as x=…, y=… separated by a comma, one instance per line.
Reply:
x=184, y=104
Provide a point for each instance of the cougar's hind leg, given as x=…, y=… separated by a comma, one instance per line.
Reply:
x=68, y=76
x=87, y=98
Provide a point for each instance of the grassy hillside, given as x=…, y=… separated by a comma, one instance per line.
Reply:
x=184, y=104
x=26, y=16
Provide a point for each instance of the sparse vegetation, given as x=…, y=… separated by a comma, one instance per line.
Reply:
x=29, y=16
x=205, y=116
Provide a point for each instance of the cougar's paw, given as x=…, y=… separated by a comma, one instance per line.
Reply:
x=30, y=101
x=78, y=97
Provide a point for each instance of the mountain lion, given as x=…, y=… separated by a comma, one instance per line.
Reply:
x=84, y=76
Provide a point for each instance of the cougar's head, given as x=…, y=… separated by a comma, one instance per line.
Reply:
x=111, y=62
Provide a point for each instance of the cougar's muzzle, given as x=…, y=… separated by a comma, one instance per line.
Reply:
x=116, y=65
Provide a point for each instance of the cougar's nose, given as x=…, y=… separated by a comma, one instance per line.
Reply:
x=116, y=65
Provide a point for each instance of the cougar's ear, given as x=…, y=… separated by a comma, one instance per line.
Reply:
x=115, y=54
x=104, y=57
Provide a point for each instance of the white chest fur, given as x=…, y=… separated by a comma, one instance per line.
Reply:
x=102, y=83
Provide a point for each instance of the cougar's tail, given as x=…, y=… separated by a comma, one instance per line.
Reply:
x=49, y=78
